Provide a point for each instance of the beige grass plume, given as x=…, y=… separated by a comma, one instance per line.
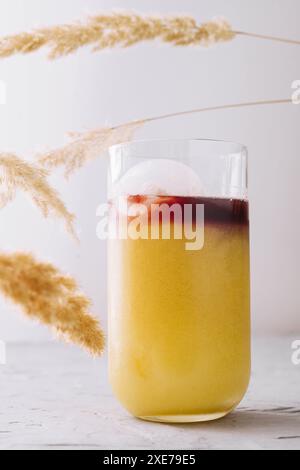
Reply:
x=16, y=174
x=50, y=297
x=117, y=30
x=124, y=29
x=87, y=146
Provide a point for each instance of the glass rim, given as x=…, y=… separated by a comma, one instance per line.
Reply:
x=240, y=148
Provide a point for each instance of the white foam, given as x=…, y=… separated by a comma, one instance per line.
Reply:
x=160, y=177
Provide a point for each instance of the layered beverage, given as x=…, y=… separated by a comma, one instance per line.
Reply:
x=179, y=319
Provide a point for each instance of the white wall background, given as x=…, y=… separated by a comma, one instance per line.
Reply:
x=47, y=99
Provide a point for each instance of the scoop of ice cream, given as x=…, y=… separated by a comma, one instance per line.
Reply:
x=160, y=177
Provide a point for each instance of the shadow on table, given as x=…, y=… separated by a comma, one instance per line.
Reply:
x=284, y=423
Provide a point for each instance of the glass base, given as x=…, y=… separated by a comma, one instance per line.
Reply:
x=185, y=419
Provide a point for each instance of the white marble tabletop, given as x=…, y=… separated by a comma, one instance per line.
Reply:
x=55, y=397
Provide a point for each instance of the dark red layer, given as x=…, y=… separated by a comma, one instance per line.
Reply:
x=217, y=210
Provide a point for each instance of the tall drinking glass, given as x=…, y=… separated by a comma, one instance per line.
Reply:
x=178, y=275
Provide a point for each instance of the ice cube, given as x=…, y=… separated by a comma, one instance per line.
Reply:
x=160, y=177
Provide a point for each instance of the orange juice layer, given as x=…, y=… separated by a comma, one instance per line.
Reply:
x=179, y=321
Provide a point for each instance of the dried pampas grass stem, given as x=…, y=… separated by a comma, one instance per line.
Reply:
x=94, y=143
x=16, y=174
x=50, y=297
x=123, y=30
x=265, y=37
x=246, y=104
